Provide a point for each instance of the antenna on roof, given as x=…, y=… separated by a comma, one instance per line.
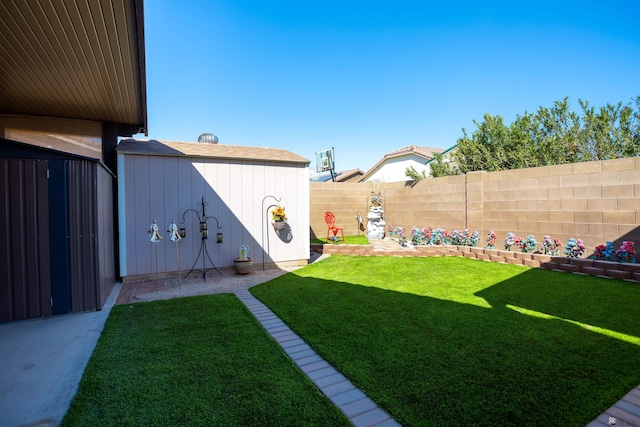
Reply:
x=325, y=162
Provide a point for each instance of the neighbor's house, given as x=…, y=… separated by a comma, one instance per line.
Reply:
x=72, y=82
x=351, y=175
x=392, y=167
x=167, y=181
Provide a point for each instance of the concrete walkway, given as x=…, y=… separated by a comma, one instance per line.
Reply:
x=42, y=362
x=353, y=403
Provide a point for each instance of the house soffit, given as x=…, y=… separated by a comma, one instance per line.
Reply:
x=74, y=59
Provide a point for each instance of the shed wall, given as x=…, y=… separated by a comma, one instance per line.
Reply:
x=165, y=189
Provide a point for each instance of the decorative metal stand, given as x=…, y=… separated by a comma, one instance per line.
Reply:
x=267, y=221
x=204, y=234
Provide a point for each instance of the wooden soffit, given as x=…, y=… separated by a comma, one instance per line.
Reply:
x=81, y=59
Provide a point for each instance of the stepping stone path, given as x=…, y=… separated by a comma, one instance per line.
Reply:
x=351, y=401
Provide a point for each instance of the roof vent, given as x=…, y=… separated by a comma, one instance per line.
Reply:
x=208, y=138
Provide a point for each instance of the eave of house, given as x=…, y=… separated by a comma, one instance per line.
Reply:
x=74, y=59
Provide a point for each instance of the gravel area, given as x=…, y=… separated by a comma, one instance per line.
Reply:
x=229, y=281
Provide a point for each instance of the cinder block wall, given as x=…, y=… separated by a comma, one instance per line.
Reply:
x=344, y=199
x=431, y=202
x=594, y=201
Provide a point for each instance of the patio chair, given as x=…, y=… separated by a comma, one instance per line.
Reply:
x=330, y=219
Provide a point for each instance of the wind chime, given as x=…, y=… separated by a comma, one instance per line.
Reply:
x=174, y=236
x=155, y=237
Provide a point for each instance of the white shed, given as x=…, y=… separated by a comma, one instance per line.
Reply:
x=166, y=181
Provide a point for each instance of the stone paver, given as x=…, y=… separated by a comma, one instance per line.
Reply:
x=624, y=413
x=352, y=402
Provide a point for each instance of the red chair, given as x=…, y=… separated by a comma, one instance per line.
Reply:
x=330, y=219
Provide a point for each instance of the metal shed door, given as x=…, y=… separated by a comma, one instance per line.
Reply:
x=59, y=237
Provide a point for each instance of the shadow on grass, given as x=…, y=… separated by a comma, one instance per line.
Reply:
x=431, y=361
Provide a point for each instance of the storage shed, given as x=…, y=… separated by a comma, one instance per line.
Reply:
x=57, y=252
x=235, y=187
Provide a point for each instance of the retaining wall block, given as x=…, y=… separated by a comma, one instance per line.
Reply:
x=606, y=265
x=571, y=268
x=486, y=257
x=582, y=262
x=514, y=260
x=627, y=266
x=541, y=257
x=330, y=249
x=496, y=258
x=492, y=252
x=593, y=271
x=531, y=262
x=619, y=274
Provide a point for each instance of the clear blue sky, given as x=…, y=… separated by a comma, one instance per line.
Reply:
x=370, y=77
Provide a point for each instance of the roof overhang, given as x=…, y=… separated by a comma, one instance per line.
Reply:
x=74, y=59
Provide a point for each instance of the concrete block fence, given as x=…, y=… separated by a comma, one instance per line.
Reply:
x=607, y=269
x=593, y=201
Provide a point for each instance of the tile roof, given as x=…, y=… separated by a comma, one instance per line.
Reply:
x=349, y=174
x=426, y=152
x=154, y=147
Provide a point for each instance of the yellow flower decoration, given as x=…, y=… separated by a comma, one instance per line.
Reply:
x=278, y=214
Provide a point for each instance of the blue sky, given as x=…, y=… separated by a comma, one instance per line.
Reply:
x=370, y=77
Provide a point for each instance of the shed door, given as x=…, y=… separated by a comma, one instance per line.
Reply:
x=59, y=237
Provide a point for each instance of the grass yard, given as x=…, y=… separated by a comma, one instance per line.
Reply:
x=348, y=240
x=454, y=341
x=199, y=361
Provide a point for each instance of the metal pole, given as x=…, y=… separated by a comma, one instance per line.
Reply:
x=263, y=221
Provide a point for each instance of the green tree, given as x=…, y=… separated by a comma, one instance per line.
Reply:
x=441, y=168
x=550, y=136
x=412, y=173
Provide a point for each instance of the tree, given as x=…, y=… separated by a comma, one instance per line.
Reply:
x=412, y=173
x=550, y=136
x=440, y=167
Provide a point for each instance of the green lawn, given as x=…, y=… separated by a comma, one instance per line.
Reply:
x=454, y=341
x=200, y=361
x=349, y=240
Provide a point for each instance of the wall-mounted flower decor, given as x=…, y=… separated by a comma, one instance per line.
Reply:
x=278, y=214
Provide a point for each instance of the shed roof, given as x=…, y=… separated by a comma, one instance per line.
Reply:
x=154, y=147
